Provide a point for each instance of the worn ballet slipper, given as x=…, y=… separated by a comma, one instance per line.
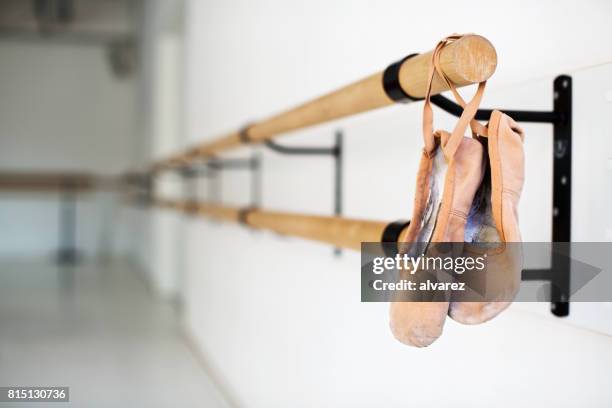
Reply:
x=494, y=218
x=417, y=324
x=450, y=189
x=412, y=321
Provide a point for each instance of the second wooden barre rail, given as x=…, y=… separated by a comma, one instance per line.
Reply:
x=469, y=60
x=47, y=181
x=340, y=232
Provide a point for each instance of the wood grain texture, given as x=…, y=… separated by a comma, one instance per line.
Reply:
x=469, y=60
x=337, y=231
x=46, y=181
x=340, y=232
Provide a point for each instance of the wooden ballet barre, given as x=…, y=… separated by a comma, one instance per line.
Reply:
x=469, y=60
x=45, y=181
x=340, y=232
x=50, y=181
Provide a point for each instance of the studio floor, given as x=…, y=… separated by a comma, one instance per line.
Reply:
x=97, y=329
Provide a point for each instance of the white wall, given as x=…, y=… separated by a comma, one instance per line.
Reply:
x=279, y=318
x=61, y=109
x=161, y=134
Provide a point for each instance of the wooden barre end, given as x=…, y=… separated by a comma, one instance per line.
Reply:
x=469, y=60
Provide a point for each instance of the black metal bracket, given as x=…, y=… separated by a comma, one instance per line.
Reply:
x=67, y=253
x=336, y=152
x=561, y=118
x=211, y=168
x=143, y=187
x=391, y=82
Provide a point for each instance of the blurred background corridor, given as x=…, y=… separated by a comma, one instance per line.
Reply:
x=75, y=308
x=96, y=327
x=131, y=305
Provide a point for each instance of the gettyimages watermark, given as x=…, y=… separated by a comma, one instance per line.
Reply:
x=411, y=265
x=486, y=272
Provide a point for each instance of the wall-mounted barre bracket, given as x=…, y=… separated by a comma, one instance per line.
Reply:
x=561, y=119
x=68, y=186
x=67, y=253
x=484, y=114
x=143, y=185
x=210, y=169
x=336, y=152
